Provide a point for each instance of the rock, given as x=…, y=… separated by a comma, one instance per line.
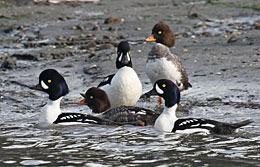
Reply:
x=105, y=46
x=257, y=25
x=96, y=26
x=89, y=45
x=78, y=27
x=26, y=56
x=214, y=99
x=232, y=39
x=69, y=66
x=9, y=63
x=92, y=70
x=112, y=20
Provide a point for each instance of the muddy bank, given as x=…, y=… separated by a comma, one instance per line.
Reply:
x=217, y=41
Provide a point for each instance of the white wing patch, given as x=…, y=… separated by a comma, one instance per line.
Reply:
x=44, y=86
x=209, y=125
x=142, y=112
x=69, y=117
x=158, y=90
x=89, y=120
x=188, y=121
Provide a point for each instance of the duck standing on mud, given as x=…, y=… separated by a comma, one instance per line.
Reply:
x=161, y=63
x=123, y=87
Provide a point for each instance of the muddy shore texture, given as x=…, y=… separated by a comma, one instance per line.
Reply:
x=218, y=43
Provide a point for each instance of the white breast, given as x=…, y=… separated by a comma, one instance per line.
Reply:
x=50, y=112
x=162, y=69
x=165, y=122
x=125, y=88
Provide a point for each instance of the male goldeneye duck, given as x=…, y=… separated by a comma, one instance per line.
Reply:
x=168, y=122
x=51, y=82
x=124, y=87
x=161, y=63
x=98, y=101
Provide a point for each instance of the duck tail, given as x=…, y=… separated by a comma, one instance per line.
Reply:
x=186, y=85
x=242, y=123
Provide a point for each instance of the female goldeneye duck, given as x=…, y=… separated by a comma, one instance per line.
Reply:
x=162, y=33
x=124, y=87
x=168, y=122
x=97, y=100
x=161, y=63
x=51, y=82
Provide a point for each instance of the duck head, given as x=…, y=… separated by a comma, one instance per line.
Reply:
x=168, y=91
x=123, y=55
x=96, y=99
x=51, y=82
x=162, y=33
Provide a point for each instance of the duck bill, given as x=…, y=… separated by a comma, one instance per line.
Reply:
x=37, y=87
x=150, y=39
x=81, y=102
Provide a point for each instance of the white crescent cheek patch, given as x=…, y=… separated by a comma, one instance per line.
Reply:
x=120, y=57
x=128, y=57
x=44, y=86
x=158, y=90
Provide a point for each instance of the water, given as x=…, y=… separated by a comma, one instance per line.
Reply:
x=24, y=144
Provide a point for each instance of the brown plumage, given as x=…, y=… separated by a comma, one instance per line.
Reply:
x=98, y=101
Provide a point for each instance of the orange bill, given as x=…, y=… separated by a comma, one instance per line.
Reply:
x=160, y=101
x=150, y=39
x=82, y=102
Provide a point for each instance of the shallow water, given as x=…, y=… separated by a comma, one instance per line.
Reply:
x=216, y=94
x=23, y=143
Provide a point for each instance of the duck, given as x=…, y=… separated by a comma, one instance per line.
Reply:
x=53, y=83
x=168, y=122
x=161, y=63
x=124, y=87
x=97, y=100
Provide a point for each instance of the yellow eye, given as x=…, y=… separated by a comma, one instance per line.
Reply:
x=129, y=53
x=49, y=81
x=163, y=85
x=91, y=97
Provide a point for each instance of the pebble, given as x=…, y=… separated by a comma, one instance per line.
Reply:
x=112, y=20
x=9, y=63
x=232, y=39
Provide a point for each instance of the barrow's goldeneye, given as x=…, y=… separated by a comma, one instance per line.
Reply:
x=51, y=82
x=168, y=122
x=123, y=87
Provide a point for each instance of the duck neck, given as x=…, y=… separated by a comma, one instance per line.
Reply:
x=50, y=112
x=170, y=111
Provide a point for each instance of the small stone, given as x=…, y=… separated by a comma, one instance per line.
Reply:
x=206, y=34
x=69, y=66
x=232, y=39
x=185, y=50
x=225, y=35
x=138, y=28
x=61, y=38
x=112, y=20
x=257, y=25
x=9, y=63
x=92, y=70
x=214, y=99
x=105, y=46
x=89, y=45
x=78, y=27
